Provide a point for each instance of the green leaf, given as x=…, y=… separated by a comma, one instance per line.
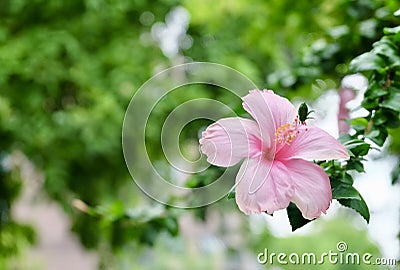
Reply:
x=345, y=191
x=359, y=205
x=347, y=179
x=357, y=147
x=393, y=119
x=375, y=90
x=366, y=62
x=355, y=165
x=296, y=219
x=359, y=124
x=344, y=138
x=370, y=103
x=359, y=121
x=171, y=225
x=386, y=48
x=110, y=213
x=231, y=195
x=391, y=30
x=392, y=102
x=378, y=135
x=397, y=13
x=380, y=117
x=387, y=117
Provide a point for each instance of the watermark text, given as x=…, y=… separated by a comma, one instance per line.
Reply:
x=338, y=256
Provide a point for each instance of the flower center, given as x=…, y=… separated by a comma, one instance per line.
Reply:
x=286, y=133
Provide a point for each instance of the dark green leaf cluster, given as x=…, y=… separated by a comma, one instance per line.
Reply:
x=342, y=183
x=382, y=100
x=326, y=58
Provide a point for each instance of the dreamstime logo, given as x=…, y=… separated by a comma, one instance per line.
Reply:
x=338, y=256
x=145, y=172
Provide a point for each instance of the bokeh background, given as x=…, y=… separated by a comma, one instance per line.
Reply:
x=68, y=70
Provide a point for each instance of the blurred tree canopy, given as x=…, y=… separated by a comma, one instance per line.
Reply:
x=68, y=70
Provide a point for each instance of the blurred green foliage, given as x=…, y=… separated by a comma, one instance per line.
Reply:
x=313, y=244
x=69, y=68
x=68, y=71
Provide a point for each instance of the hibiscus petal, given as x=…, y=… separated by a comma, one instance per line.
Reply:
x=229, y=140
x=313, y=143
x=263, y=186
x=270, y=111
x=312, y=193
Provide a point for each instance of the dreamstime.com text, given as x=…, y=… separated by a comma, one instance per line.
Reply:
x=339, y=256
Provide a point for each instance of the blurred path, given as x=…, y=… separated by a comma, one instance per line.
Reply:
x=57, y=248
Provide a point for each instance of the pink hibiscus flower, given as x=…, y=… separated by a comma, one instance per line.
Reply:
x=277, y=149
x=345, y=95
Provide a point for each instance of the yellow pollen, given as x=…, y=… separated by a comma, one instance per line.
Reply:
x=286, y=133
